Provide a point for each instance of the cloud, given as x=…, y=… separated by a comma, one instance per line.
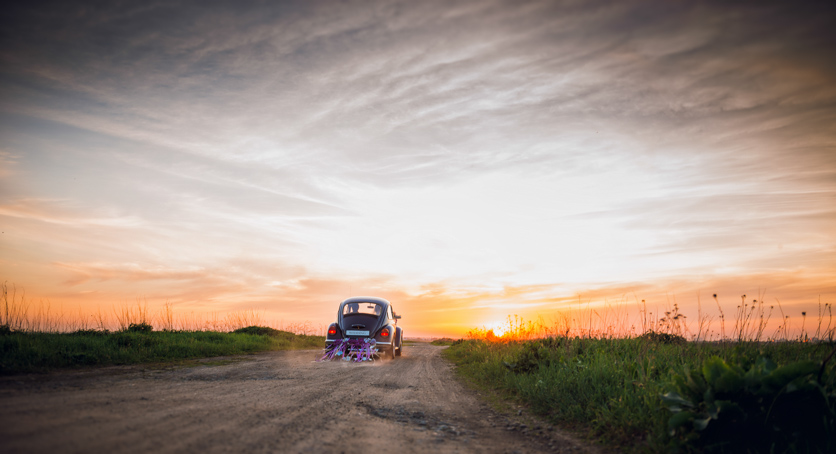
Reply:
x=55, y=211
x=129, y=272
x=357, y=84
x=461, y=153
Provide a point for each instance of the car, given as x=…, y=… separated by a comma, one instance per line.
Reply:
x=365, y=326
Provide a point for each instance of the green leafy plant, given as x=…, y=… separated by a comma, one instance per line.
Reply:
x=763, y=408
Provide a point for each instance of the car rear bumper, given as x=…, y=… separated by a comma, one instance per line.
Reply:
x=331, y=341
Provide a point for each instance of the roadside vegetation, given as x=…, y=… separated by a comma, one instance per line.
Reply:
x=40, y=352
x=43, y=342
x=660, y=392
x=443, y=341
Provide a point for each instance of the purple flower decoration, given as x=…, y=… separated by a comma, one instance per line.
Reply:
x=356, y=350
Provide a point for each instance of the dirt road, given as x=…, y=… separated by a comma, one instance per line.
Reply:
x=271, y=402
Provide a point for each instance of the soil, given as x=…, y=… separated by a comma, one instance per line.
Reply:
x=269, y=402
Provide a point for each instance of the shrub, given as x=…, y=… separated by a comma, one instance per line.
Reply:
x=764, y=408
x=140, y=328
x=265, y=331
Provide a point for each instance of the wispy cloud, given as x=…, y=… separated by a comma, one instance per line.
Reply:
x=56, y=212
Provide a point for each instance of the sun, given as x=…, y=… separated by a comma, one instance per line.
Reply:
x=499, y=329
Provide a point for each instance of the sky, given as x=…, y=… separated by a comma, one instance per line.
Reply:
x=468, y=160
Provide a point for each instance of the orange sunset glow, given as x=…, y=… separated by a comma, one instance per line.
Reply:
x=465, y=160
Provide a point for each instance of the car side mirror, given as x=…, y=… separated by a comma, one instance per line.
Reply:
x=397, y=317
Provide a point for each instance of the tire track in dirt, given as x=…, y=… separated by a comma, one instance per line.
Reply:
x=270, y=402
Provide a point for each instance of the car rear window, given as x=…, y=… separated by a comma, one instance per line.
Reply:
x=362, y=308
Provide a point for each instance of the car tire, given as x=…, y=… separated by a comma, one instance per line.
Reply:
x=398, y=351
x=391, y=353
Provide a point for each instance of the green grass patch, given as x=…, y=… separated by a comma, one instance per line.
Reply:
x=40, y=352
x=612, y=390
x=443, y=341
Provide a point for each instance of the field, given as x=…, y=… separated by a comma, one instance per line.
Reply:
x=36, y=338
x=658, y=392
x=40, y=352
x=701, y=386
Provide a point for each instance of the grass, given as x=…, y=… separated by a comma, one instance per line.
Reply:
x=40, y=352
x=612, y=388
x=38, y=337
x=443, y=341
x=20, y=313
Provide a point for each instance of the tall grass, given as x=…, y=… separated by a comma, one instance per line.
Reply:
x=610, y=389
x=753, y=322
x=604, y=373
x=38, y=337
x=22, y=314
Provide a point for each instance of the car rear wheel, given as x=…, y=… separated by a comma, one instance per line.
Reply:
x=399, y=342
x=391, y=353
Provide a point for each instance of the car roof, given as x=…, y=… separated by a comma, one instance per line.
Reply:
x=366, y=299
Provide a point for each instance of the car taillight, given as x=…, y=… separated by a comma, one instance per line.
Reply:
x=332, y=330
x=385, y=332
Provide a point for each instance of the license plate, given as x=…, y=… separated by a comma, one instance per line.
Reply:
x=352, y=332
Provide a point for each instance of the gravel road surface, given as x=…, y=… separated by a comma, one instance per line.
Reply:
x=270, y=402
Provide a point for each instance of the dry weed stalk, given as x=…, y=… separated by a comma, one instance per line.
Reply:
x=166, y=316
x=127, y=315
x=241, y=319
x=722, y=318
x=703, y=322
x=101, y=322
x=14, y=313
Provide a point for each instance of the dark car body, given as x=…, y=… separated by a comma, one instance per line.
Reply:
x=368, y=317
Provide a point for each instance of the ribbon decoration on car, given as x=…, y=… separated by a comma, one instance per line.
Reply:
x=356, y=350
